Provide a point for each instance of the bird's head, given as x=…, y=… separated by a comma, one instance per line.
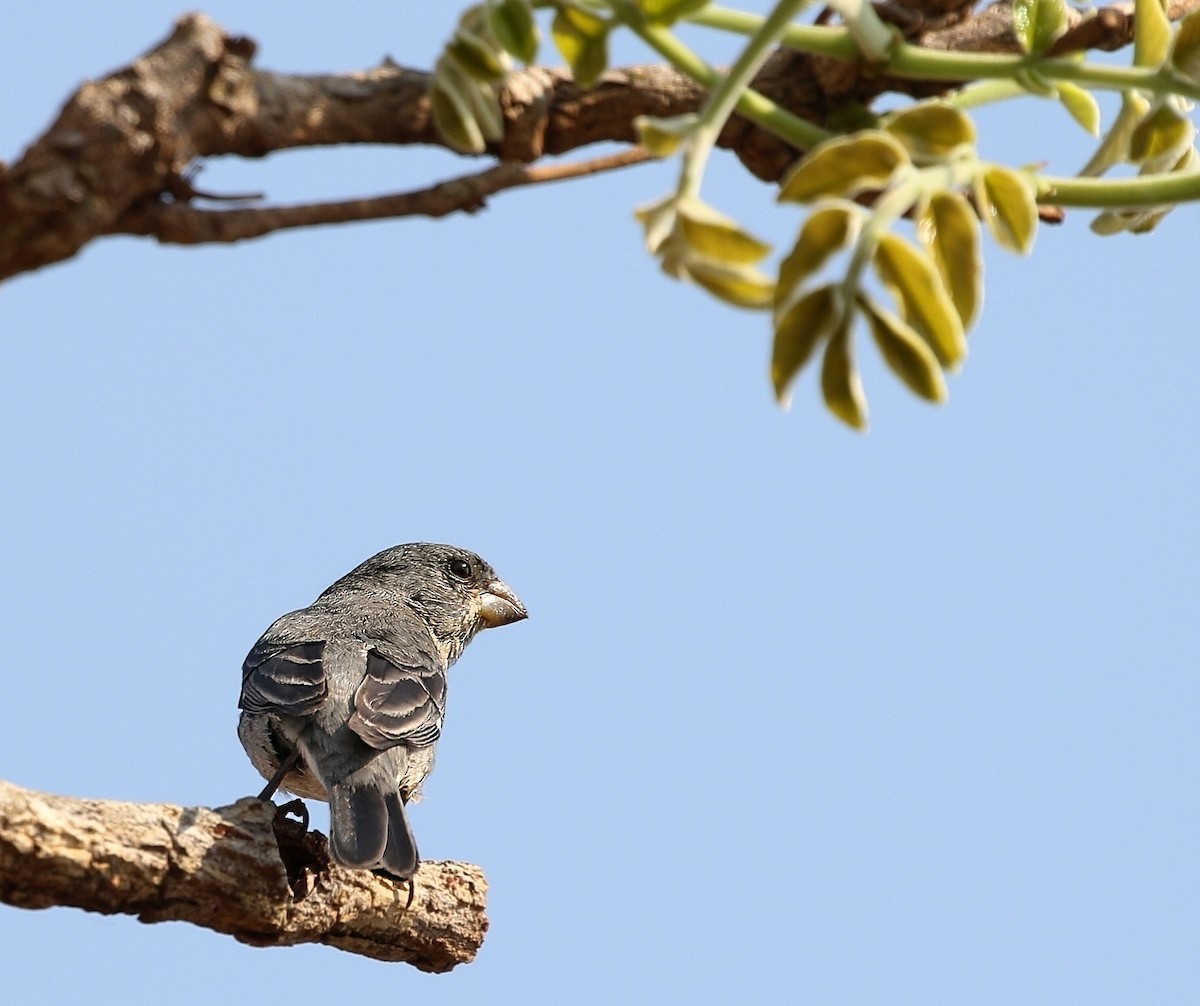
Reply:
x=454, y=591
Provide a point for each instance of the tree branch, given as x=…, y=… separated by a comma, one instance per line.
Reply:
x=116, y=159
x=181, y=223
x=222, y=869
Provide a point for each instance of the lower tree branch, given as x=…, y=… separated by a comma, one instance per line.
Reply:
x=182, y=223
x=223, y=869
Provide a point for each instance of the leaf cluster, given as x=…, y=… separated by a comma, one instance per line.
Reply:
x=918, y=296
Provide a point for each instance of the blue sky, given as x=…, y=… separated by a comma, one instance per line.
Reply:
x=799, y=715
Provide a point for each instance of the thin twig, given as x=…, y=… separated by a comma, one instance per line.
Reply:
x=182, y=223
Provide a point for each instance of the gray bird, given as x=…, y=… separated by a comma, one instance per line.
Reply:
x=344, y=700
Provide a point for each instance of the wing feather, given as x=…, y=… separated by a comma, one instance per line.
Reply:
x=402, y=698
x=284, y=679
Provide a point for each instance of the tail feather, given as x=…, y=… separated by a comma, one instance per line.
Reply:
x=400, y=857
x=369, y=830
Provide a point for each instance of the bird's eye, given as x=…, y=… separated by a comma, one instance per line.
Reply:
x=460, y=569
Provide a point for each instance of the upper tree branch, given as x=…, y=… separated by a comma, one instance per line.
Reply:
x=222, y=869
x=114, y=160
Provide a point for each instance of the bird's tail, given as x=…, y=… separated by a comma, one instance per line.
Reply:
x=369, y=830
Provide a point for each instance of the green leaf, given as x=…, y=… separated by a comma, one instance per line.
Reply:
x=583, y=41
x=841, y=386
x=798, y=333
x=667, y=12
x=1008, y=207
x=452, y=111
x=1185, y=53
x=662, y=137
x=479, y=57
x=827, y=231
x=485, y=104
x=843, y=166
x=1038, y=24
x=905, y=352
x=913, y=280
x=741, y=286
x=1081, y=105
x=512, y=22
x=479, y=99
x=949, y=230
x=1151, y=33
x=715, y=236
x=1162, y=134
x=931, y=130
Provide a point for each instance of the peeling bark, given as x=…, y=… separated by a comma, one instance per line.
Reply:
x=222, y=868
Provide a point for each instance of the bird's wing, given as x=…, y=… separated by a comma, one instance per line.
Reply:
x=402, y=698
x=283, y=678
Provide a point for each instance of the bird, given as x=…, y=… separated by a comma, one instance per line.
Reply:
x=344, y=701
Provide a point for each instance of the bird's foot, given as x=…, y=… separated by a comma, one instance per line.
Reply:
x=294, y=807
x=410, y=881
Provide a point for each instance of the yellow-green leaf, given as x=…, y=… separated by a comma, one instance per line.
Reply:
x=798, y=333
x=843, y=166
x=666, y=12
x=662, y=137
x=741, y=286
x=1114, y=148
x=827, y=231
x=1185, y=53
x=1162, y=134
x=949, y=230
x=1110, y=222
x=1038, y=24
x=841, y=386
x=905, y=352
x=1140, y=221
x=1008, y=207
x=1146, y=221
x=713, y=235
x=581, y=22
x=1143, y=219
x=1081, y=105
x=452, y=114
x=1151, y=33
x=913, y=280
x=931, y=130
x=511, y=21
x=658, y=220
x=583, y=41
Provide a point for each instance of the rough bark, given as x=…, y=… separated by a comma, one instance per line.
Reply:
x=224, y=869
x=117, y=159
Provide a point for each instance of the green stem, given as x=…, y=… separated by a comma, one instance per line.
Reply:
x=750, y=103
x=917, y=63
x=1118, y=193
x=724, y=97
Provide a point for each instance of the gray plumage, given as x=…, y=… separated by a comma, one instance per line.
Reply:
x=356, y=684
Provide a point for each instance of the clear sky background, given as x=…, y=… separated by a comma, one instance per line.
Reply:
x=799, y=715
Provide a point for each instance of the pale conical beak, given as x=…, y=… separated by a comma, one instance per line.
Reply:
x=499, y=605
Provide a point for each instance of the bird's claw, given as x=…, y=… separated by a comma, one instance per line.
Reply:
x=295, y=807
